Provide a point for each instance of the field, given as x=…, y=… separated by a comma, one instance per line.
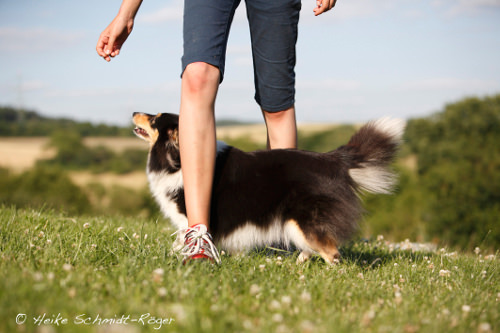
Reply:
x=21, y=153
x=92, y=274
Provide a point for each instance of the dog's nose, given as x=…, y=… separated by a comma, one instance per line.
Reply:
x=135, y=113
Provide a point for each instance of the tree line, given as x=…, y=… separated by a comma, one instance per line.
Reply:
x=18, y=122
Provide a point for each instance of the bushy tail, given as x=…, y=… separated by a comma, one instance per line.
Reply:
x=371, y=151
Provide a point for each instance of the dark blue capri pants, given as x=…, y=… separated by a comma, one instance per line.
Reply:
x=273, y=31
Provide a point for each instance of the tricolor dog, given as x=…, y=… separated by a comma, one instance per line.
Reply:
x=283, y=196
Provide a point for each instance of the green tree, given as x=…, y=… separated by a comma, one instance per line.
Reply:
x=459, y=166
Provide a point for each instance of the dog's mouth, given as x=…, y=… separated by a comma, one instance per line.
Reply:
x=141, y=132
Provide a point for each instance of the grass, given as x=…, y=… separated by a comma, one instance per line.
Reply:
x=90, y=271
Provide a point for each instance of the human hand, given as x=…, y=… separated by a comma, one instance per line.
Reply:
x=112, y=38
x=323, y=6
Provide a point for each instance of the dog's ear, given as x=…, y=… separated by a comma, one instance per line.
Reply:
x=173, y=135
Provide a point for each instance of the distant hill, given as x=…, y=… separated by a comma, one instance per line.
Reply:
x=15, y=122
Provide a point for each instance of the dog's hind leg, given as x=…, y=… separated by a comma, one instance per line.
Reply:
x=326, y=247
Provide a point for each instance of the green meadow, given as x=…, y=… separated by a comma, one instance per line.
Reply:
x=64, y=273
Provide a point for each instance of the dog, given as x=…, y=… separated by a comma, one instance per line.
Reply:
x=284, y=196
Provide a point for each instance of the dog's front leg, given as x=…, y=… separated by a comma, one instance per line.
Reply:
x=303, y=256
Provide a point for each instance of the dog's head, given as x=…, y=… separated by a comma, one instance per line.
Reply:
x=163, y=126
x=162, y=133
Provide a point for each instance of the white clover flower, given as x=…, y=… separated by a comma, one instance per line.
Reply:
x=484, y=327
x=286, y=300
x=466, y=308
x=67, y=267
x=86, y=225
x=398, y=298
x=274, y=305
x=119, y=229
x=37, y=276
x=254, y=289
x=159, y=272
x=277, y=317
x=162, y=292
x=72, y=292
x=262, y=267
x=477, y=250
x=444, y=273
x=305, y=296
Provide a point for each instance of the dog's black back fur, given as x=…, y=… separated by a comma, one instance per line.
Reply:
x=316, y=192
x=276, y=183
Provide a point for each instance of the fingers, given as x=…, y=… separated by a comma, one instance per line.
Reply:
x=107, y=47
x=109, y=43
x=111, y=48
x=102, y=44
x=323, y=6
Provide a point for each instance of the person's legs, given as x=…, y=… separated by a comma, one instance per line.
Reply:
x=281, y=129
x=206, y=29
x=197, y=140
x=273, y=30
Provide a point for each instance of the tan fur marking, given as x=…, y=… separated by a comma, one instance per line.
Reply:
x=142, y=120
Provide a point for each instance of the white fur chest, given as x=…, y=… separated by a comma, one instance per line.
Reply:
x=163, y=185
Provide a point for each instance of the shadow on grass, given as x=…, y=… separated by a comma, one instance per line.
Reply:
x=363, y=253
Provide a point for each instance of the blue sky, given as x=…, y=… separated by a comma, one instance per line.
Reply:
x=362, y=60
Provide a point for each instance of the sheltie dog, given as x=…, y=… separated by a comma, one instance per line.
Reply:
x=283, y=196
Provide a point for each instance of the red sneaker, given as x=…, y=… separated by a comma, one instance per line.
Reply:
x=198, y=244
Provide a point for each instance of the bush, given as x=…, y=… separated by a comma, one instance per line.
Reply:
x=459, y=160
x=43, y=187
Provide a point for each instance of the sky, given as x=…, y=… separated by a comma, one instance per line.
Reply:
x=362, y=60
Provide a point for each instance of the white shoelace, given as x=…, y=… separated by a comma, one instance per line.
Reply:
x=200, y=240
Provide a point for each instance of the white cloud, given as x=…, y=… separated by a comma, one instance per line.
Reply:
x=460, y=7
x=35, y=39
x=445, y=83
x=173, y=12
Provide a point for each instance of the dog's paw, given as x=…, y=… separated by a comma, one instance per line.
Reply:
x=303, y=256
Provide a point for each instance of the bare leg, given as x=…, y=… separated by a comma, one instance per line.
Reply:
x=197, y=141
x=281, y=129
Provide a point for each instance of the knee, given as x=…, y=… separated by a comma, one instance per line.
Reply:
x=199, y=76
x=286, y=116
